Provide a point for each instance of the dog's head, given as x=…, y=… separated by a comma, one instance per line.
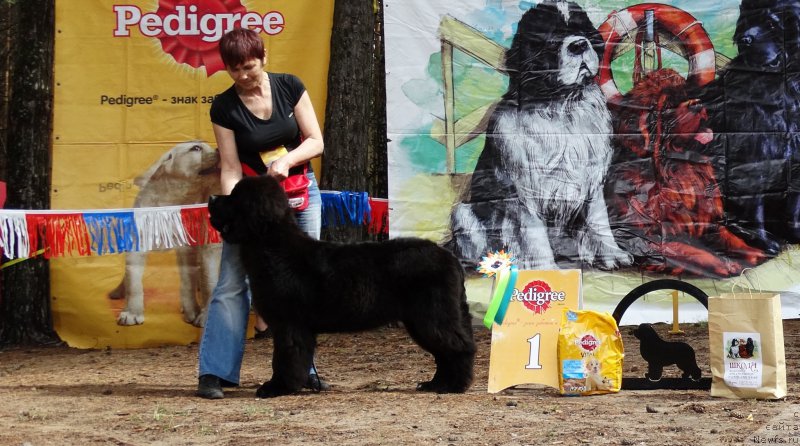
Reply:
x=187, y=173
x=556, y=51
x=644, y=332
x=760, y=33
x=254, y=207
x=186, y=160
x=593, y=365
x=660, y=111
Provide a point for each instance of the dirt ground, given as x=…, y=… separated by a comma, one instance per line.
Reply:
x=59, y=395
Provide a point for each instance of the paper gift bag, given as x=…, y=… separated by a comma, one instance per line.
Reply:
x=746, y=346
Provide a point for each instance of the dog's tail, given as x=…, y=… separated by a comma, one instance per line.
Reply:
x=471, y=349
x=466, y=316
x=460, y=277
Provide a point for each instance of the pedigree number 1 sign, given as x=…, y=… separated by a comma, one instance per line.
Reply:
x=524, y=346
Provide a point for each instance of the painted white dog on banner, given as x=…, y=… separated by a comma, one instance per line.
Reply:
x=188, y=173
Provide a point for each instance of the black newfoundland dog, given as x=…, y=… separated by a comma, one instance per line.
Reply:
x=303, y=287
x=754, y=110
x=537, y=188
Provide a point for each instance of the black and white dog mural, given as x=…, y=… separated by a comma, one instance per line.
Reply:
x=692, y=174
x=537, y=188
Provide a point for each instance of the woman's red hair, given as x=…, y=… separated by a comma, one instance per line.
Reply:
x=240, y=45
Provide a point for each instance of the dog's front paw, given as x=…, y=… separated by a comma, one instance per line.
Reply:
x=270, y=390
x=195, y=317
x=429, y=386
x=200, y=319
x=614, y=258
x=189, y=316
x=623, y=258
x=432, y=386
x=693, y=375
x=653, y=377
x=129, y=318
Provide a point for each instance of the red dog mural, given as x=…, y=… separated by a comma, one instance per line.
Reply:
x=662, y=185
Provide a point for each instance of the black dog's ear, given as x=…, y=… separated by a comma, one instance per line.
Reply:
x=276, y=201
x=219, y=215
x=267, y=202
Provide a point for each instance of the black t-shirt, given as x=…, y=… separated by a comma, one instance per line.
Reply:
x=253, y=134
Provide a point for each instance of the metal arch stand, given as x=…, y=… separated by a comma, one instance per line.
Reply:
x=663, y=383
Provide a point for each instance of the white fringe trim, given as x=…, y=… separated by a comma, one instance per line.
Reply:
x=14, y=235
x=160, y=228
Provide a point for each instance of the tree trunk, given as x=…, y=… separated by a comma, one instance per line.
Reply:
x=25, y=316
x=378, y=162
x=355, y=116
x=5, y=53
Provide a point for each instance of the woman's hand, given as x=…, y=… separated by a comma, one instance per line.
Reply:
x=311, y=146
x=279, y=169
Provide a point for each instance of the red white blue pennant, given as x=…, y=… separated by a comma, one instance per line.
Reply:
x=57, y=233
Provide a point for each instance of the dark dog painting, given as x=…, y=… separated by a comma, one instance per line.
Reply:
x=754, y=108
x=537, y=188
x=662, y=187
x=660, y=353
x=303, y=287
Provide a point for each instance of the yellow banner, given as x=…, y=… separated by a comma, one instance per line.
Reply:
x=134, y=82
x=524, y=347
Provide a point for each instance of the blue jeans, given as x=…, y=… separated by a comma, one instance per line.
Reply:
x=222, y=343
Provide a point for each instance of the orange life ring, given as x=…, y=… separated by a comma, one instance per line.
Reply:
x=622, y=25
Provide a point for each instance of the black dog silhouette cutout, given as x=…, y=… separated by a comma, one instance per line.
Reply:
x=660, y=353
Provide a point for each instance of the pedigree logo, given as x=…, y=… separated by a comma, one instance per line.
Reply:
x=189, y=30
x=537, y=296
x=587, y=343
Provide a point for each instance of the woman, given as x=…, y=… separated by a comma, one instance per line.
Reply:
x=264, y=125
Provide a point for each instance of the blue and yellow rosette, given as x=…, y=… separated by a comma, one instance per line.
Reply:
x=499, y=265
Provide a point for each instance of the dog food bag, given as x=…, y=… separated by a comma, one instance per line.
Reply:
x=746, y=346
x=590, y=353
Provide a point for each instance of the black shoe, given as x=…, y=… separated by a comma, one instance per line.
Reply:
x=263, y=334
x=209, y=387
x=314, y=382
x=223, y=383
